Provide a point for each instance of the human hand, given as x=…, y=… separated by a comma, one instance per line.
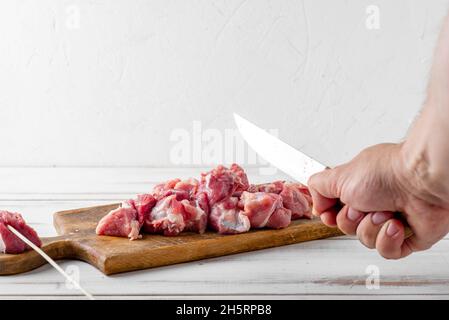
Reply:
x=372, y=186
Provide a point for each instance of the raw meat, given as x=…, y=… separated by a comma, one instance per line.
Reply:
x=259, y=207
x=171, y=216
x=127, y=220
x=202, y=202
x=161, y=188
x=9, y=242
x=241, y=179
x=296, y=197
x=182, y=189
x=143, y=204
x=227, y=218
x=190, y=186
x=280, y=218
x=166, y=217
x=223, y=200
x=221, y=183
x=272, y=187
x=195, y=218
x=121, y=222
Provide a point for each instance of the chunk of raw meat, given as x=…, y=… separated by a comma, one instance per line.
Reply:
x=120, y=222
x=195, y=218
x=241, y=179
x=259, y=207
x=221, y=183
x=190, y=186
x=280, y=218
x=171, y=216
x=227, y=218
x=166, y=217
x=296, y=197
x=160, y=189
x=143, y=204
x=127, y=220
x=202, y=202
x=271, y=187
x=182, y=189
x=9, y=242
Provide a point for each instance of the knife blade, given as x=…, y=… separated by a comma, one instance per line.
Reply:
x=281, y=155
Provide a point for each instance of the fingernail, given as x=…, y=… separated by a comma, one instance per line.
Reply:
x=380, y=217
x=392, y=229
x=354, y=215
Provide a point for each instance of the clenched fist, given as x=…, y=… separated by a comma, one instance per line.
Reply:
x=373, y=186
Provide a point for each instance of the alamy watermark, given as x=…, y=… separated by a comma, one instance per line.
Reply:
x=209, y=147
x=73, y=271
x=372, y=21
x=372, y=282
x=73, y=17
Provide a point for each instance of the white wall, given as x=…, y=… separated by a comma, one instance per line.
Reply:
x=105, y=82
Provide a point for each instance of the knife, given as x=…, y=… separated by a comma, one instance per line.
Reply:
x=293, y=162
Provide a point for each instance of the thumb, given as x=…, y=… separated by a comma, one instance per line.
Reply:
x=324, y=190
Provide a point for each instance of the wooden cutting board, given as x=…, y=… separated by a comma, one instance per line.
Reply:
x=77, y=240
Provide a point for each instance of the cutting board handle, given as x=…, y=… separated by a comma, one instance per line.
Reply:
x=56, y=247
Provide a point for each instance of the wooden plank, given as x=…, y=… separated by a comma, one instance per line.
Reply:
x=321, y=267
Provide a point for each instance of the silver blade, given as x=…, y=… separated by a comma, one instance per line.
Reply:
x=278, y=153
x=49, y=260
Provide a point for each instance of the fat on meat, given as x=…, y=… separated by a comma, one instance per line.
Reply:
x=227, y=218
x=9, y=242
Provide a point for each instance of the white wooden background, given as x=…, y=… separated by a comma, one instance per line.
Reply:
x=332, y=268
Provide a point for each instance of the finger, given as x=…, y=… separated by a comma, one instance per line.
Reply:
x=329, y=217
x=325, y=182
x=390, y=240
x=370, y=226
x=348, y=220
x=324, y=191
x=321, y=203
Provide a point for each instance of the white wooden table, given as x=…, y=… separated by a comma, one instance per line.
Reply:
x=332, y=268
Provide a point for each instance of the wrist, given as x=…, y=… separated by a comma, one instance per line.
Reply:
x=417, y=175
